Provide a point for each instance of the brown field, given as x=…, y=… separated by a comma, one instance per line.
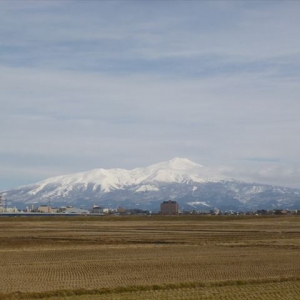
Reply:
x=176, y=257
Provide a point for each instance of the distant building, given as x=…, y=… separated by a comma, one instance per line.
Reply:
x=8, y=209
x=47, y=209
x=121, y=210
x=169, y=208
x=97, y=210
x=75, y=210
x=106, y=210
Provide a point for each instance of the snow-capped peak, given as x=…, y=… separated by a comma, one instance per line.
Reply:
x=178, y=163
x=176, y=170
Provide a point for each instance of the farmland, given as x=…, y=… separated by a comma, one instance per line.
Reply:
x=176, y=257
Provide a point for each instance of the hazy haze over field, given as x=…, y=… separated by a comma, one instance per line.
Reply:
x=89, y=84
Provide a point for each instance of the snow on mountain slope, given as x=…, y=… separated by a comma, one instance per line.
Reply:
x=145, y=188
x=179, y=170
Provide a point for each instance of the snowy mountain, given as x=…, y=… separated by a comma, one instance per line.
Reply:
x=191, y=184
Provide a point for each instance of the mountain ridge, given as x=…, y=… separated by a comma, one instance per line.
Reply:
x=179, y=179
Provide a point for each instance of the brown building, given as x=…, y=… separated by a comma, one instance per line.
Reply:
x=169, y=208
x=121, y=210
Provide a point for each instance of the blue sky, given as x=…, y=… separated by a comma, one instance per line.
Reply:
x=89, y=84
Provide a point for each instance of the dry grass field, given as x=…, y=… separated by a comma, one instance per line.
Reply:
x=176, y=257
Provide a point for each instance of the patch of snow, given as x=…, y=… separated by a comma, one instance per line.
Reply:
x=193, y=204
x=146, y=188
